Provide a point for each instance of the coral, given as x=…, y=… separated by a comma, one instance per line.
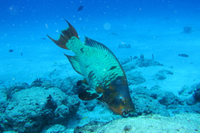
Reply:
x=196, y=95
x=8, y=92
x=169, y=99
x=67, y=85
x=142, y=56
x=186, y=91
x=42, y=82
x=36, y=83
x=36, y=107
x=145, y=104
x=3, y=102
x=161, y=75
x=135, y=78
x=191, y=94
x=50, y=104
x=132, y=63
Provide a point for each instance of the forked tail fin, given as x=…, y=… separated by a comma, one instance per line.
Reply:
x=65, y=36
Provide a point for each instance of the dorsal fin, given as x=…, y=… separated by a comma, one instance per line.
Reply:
x=74, y=62
x=65, y=36
x=93, y=43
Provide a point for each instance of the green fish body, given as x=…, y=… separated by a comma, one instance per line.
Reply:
x=104, y=76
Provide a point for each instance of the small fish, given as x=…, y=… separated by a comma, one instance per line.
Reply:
x=104, y=77
x=21, y=54
x=183, y=55
x=11, y=50
x=85, y=118
x=80, y=8
x=43, y=38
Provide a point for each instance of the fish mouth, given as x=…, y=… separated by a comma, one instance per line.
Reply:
x=125, y=112
x=129, y=112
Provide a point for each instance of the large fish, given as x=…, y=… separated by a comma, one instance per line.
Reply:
x=105, y=78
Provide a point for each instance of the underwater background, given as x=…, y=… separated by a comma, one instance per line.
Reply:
x=156, y=41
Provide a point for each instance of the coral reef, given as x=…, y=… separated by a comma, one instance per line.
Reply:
x=38, y=108
x=156, y=101
x=47, y=105
x=33, y=108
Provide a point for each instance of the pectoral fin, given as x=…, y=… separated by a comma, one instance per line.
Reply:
x=75, y=63
x=89, y=94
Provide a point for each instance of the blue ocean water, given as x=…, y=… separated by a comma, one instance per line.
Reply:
x=149, y=26
x=35, y=17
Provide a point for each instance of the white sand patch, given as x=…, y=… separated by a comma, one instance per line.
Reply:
x=184, y=123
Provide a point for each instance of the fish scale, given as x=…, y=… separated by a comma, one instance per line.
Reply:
x=97, y=59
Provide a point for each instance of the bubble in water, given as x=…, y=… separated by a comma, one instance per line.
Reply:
x=107, y=26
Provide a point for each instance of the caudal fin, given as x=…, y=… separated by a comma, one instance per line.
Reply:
x=65, y=36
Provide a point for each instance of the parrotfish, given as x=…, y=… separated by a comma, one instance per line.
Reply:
x=104, y=77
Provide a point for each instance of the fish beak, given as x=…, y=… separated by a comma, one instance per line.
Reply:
x=127, y=113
